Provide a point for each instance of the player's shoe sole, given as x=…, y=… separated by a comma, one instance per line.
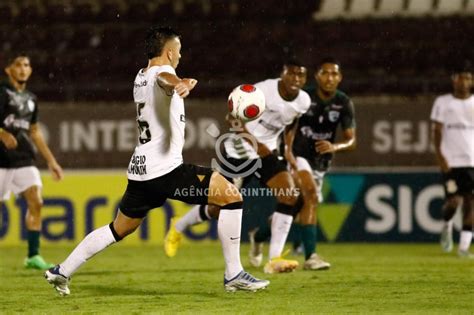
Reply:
x=245, y=282
x=58, y=281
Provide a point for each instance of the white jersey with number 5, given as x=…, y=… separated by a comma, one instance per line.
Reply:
x=278, y=114
x=156, y=154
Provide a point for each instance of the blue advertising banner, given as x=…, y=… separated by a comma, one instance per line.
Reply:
x=369, y=207
x=359, y=207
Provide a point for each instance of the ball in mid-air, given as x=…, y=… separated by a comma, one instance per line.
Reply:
x=246, y=102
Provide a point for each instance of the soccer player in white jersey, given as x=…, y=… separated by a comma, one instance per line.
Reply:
x=285, y=102
x=453, y=135
x=156, y=170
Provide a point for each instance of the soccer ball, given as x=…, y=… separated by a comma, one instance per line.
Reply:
x=246, y=102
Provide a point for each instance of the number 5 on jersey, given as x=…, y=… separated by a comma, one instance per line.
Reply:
x=143, y=126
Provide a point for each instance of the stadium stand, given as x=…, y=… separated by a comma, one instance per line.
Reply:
x=91, y=50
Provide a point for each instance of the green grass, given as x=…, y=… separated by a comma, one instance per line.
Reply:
x=365, y=278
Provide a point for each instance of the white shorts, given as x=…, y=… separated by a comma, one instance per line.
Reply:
x=303, y=165
x=17, y=180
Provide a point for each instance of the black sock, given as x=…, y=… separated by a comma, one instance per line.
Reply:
x=263, y=233
x=448, y=213
x=33, y=243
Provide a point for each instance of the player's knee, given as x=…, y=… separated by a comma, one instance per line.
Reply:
x=231, y=199
x=452, y=203
x=289, y=197
x=231, y=195
x=35, y=205
x=311, y=197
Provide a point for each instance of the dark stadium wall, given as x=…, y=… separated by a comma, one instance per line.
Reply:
x=391, y=132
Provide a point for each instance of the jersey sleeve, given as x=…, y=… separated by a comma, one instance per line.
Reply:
x=34, y=116
x=264, y=86
x=165, y=68
x=436, y=111
x=303, y=104
x=348, y=116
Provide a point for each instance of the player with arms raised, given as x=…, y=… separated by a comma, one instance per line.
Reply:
x=156, y=170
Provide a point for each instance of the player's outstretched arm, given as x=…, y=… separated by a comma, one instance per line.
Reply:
x=38, y=140
x=170, y=82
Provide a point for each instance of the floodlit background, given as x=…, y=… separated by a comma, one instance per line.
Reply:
x=395, y=57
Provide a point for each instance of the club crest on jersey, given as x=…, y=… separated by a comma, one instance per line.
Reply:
x=31, y=105
x=333, y=116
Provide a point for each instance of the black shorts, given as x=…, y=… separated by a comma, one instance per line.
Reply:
x=269, y=167
x=459, y=181
x=188, y=183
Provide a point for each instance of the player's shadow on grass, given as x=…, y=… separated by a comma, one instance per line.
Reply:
x=150, y=270
x=103, y=290
x=181, y=270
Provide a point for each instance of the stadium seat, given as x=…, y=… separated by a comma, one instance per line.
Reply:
x=6, y=13
x=361, y=8
x=469, y=8
x=389, y=8
x=449, y=7
x=330, y=9
x=419, y=7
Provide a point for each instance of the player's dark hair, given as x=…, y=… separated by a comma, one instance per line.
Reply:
x=464, y=66
x=10, y=58
x=331, y=60
x=156, y=38
x=293, y=61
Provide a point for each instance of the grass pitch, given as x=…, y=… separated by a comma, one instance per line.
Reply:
x=365, y=278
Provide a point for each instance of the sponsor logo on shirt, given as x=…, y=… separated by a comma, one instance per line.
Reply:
x=459, y=126
x=139, y=84
x=309, y=133
x=268, y=125
x=10, y=121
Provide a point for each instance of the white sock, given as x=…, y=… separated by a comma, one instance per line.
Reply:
x=449, y=225
x=465, y=240
x=93, y=243
x=192, y=217
x=229, y=227
x=281, y=224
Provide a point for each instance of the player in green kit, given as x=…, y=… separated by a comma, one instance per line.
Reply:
x=314, y=147
x=19, y=136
